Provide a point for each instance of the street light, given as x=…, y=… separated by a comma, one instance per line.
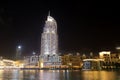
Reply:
x=18, y=52
x=118, y=48
x=19, y=47
x=33, y=53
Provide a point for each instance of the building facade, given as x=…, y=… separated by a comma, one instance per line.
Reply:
x=111, y=60
x=92, y=64
x=71, y=61
x=31, y=61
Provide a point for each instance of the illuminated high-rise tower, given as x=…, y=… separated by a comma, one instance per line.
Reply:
x=49, y=39
x=49, y=44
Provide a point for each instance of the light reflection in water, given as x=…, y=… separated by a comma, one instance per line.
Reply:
x=99, y=75
x=49, y=74
x=58, y=75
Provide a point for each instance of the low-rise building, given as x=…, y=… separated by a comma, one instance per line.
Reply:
x=111, y=60
x=31, y=61
x=71, y=61
x=92, y=64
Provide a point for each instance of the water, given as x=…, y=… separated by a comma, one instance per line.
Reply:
x=58, y=75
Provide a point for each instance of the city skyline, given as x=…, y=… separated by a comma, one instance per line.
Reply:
x=83, y=27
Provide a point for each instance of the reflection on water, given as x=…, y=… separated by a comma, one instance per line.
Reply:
x=58, y=75
x=99, y=75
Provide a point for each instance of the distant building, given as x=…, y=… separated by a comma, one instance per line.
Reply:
x=31, y=61
x=92, y=64
x=114, y=58
x=105, y=55
x=71, y=61
x=111, y=60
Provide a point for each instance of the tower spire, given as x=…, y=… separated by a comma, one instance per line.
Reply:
x=49, y=13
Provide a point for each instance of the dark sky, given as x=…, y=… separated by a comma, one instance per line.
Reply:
x=82, y=26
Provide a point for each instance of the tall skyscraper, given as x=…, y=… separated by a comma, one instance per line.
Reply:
x=49, y=39
x=49, y=43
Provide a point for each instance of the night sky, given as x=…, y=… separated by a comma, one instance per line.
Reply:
x=82, y=26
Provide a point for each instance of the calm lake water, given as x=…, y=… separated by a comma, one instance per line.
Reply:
x=58, y=75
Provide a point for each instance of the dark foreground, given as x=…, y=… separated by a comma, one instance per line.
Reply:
x=9, y=74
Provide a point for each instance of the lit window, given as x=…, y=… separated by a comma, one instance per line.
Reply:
x=46, y=52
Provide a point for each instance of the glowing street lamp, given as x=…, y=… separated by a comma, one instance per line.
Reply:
x=34, y=53
x=18, y=52
x=118, y=48
x=19, y=47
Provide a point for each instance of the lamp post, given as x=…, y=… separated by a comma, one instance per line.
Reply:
x=35, y=58
x=18, y=52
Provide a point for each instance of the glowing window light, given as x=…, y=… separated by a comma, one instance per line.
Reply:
x=53, y=31
x=47, y=31
x=54, y=53
x=46, y=52
x=41, y=64
x=118, y=48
